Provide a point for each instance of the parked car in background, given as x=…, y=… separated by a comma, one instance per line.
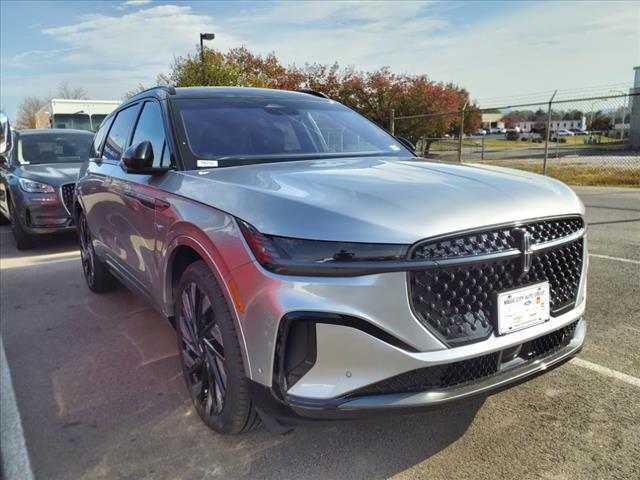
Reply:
x=498, y=130
x=579, y=131
x=38, y=170
x=512, y=134
x=315, y=268
x=563, y=133
x=481, y=132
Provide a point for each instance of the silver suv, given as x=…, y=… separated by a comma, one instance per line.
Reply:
x=314, y=268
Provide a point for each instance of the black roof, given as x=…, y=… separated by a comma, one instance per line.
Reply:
x=52, y=131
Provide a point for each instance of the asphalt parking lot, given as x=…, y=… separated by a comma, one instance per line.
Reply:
x=100, y=393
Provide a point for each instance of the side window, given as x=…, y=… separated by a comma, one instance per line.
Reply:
x=118, y=134
x=150, y=129
x=96, y=149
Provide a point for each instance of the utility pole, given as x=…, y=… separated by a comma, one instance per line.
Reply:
x=392, y=121
x=546, y=141
x=464, y=107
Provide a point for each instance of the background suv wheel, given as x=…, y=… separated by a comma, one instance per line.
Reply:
x=24, y=241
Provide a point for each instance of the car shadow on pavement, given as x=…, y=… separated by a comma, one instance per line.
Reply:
x=45, y=245
x=376, y=448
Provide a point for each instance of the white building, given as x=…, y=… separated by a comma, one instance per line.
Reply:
x=492, y=120
x=555, y=124
x=80, y=114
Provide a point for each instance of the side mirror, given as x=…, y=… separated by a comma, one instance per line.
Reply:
x=5, y=135
x=407, y=143
x=138, y=158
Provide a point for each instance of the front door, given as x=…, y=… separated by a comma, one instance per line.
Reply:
x=137, y=233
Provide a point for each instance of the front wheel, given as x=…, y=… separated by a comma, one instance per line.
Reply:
x=23, y=240
x=210, y=353
x=96, y=272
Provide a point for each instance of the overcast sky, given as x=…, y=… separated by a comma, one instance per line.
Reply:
x=494, y=49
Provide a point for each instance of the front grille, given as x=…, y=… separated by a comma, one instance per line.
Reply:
x=456, y=374
x=67, y=196
x=495, y=240
x=457, y=303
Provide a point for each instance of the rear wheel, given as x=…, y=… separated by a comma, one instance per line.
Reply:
x=96, y=272
x=24, y=241
x=210, y=353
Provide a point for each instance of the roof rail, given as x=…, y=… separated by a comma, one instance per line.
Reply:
x=170, y=89
x=314, y=93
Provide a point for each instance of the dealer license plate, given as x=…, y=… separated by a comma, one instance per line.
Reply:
x=523, y=307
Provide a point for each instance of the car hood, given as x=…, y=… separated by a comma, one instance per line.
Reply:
x=381, y=200
x=54, y=174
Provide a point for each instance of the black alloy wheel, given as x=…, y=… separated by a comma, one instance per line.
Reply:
x=202, y=350
x=96, y=272
x=210, y=353
x=86, y=250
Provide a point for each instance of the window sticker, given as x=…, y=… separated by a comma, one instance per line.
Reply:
x=207, y=163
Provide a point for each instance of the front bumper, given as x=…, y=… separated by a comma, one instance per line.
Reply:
x=42, y=214
x=290, y=409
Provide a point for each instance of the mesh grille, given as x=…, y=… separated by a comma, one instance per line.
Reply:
x=459, y=373
x=496, y=240
x=548, y=344
x=67, y=196
x=457, y=303
x=548, y=230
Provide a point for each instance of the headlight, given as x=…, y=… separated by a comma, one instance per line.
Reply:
x=35, y=187
x=294, y=256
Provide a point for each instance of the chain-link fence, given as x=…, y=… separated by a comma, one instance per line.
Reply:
x=588, y=141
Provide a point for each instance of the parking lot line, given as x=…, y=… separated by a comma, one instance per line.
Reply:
x=15, y=459
x=579, y=362
x=38, y=260
x=618, y=259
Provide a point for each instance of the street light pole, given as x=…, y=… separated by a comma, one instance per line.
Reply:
x=204, y=36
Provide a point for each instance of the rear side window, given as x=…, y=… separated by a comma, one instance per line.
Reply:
x=150, y=129
x=96, y=151
x=117, y=138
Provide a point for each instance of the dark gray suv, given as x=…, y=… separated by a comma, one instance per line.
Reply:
x=38, y=170
x=315, y=268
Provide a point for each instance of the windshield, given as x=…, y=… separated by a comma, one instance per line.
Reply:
x=49, y=148
x=79, y=121
x=231, y=129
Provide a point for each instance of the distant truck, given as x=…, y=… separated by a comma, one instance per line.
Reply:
x=77, y=114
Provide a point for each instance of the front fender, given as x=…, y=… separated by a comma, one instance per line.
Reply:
x=221, y=250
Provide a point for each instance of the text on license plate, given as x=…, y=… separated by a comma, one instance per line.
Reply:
x=523, y=307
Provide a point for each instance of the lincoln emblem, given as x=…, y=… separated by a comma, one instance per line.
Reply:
x=523, y=241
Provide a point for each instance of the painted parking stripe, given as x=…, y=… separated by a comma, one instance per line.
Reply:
x=579, y=362
x=618, y=259
x=15, y=459
x=7, y=263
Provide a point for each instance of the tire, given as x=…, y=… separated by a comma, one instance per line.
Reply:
x=4, y=220
x=96, y=273
x=23, y=240
x=210, y=354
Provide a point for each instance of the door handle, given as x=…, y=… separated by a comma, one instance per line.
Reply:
x=161, y=205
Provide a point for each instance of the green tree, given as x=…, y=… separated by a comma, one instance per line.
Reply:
x=601, y=122
x=373, y=93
